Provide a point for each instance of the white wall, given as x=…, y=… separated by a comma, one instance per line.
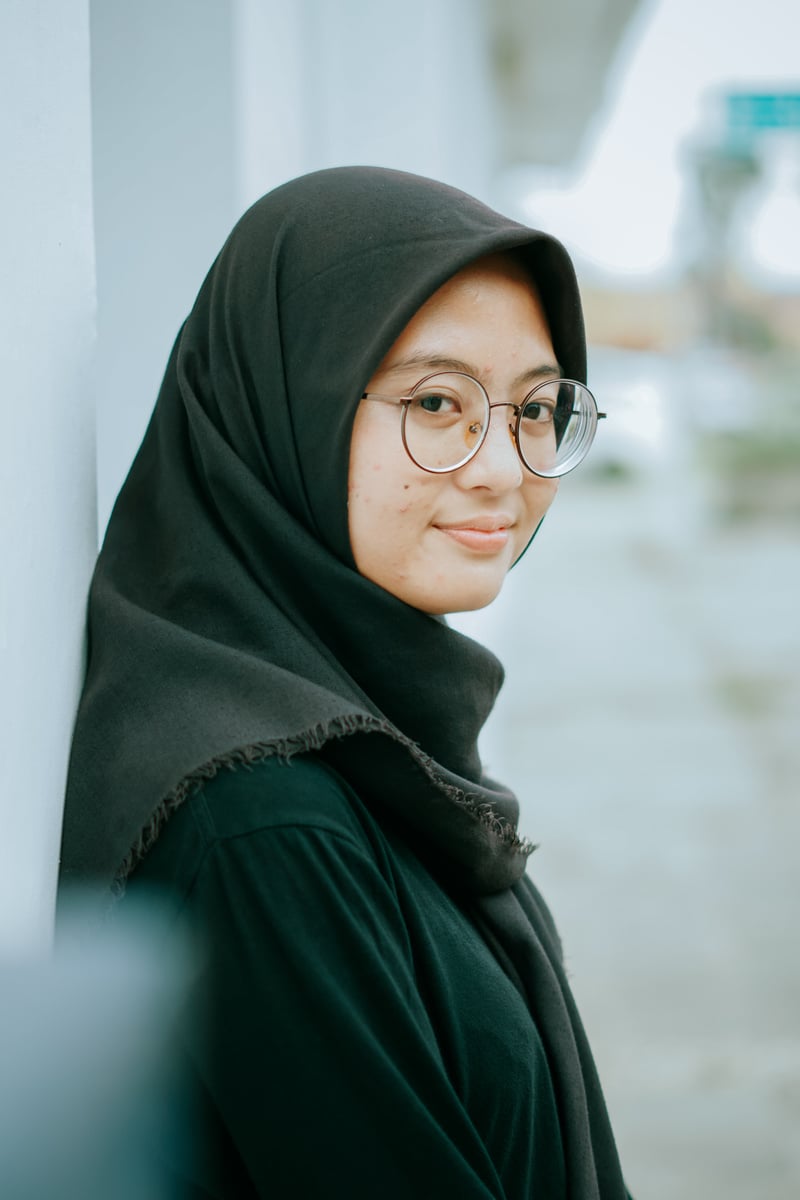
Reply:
x=272, y=99
x=47, y=489
x=402, y=85
x=323, y=83
x=164, y=192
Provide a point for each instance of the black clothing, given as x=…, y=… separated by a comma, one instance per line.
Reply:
x=366, y=1041
x=228, y=623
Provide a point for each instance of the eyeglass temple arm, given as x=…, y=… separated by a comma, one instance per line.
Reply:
x=386, y=399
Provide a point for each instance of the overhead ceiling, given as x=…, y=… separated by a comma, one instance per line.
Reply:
x=551, y=61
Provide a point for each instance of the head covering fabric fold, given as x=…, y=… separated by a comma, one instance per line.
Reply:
x=227, y=621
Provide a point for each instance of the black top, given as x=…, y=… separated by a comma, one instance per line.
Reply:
x=366, y=1042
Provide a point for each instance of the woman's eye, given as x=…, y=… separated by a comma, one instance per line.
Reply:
x=538, y=411
x=436, y=402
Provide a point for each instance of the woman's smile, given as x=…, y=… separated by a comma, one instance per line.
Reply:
x=485, y=534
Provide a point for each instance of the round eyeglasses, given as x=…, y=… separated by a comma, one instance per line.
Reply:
x=445, y=420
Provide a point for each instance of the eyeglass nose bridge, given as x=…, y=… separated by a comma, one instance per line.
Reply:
x=484, y=430
x=476, y=425
x=505, y=404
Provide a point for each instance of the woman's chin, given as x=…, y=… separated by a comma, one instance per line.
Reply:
x=468, y=597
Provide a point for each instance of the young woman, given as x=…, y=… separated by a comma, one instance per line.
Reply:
x=360, y=428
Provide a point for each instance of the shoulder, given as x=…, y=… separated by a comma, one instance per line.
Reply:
x=280, y=859
x=271, y=809
x=302, y=792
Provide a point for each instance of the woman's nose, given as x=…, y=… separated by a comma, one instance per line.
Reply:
x=497, y=464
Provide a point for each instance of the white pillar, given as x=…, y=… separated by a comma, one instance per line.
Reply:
x=165, y=187
x=273, y=120
x=47, y=479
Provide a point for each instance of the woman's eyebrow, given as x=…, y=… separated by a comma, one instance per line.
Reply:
x=545, y=371
x=445, y=363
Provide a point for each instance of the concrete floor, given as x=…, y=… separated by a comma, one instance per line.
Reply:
x=650, y=726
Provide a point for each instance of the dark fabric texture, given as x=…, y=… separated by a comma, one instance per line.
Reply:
x=227, y=622
x=364, y=1040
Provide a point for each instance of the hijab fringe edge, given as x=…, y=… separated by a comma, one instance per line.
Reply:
x=305, y=742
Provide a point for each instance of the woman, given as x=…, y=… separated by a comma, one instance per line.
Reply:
x=358, y=431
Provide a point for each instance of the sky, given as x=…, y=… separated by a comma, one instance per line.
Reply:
x=624, y=207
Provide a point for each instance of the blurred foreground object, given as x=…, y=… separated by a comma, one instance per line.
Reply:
x=86, y=1064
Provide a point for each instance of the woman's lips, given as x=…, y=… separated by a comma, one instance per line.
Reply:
x=487, y=535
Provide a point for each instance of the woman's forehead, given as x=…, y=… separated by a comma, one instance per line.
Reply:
x=488, y=309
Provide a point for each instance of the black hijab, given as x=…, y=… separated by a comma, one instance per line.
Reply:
x=227, y=621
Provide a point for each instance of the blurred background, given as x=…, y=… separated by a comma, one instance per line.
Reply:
x=651, y=713
x=650, y=718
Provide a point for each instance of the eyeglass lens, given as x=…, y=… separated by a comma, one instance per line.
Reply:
x=448, y=414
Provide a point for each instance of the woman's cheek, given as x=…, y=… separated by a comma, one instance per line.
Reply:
x=542, y=496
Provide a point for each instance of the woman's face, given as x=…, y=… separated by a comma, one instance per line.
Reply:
x=443, y=543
